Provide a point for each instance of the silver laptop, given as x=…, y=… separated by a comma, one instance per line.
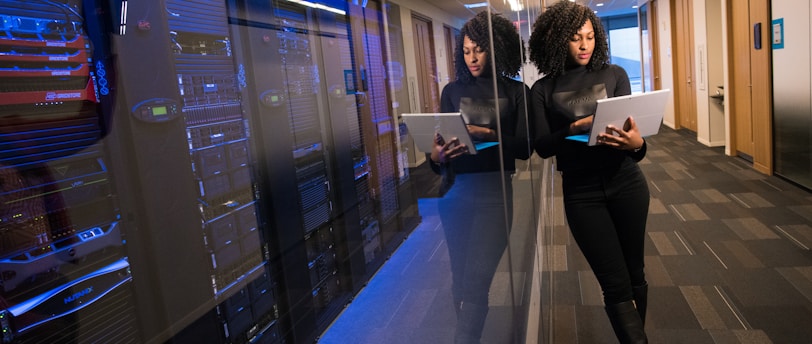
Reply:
x=423, y=126
x=647, y=109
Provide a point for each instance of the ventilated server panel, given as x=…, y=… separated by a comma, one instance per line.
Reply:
x=63, y=268
x=218, y=133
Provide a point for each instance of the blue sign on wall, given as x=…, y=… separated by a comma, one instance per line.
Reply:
x=778, y=33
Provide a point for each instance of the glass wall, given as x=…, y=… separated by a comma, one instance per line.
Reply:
x=624, y=46
x=235, y=171
x=466, y=272
x=242, y=171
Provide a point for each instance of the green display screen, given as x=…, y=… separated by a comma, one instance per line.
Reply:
x=159, y=111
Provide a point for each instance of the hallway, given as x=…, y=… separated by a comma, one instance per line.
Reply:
x=728, y=255
x=728, y=260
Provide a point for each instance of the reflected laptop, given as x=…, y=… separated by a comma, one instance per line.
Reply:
x=422, y=127
x=647, y=109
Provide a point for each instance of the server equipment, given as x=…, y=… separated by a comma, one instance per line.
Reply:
x=220, y=171
x=325, y=133
x=63, y=265
x=192, y=179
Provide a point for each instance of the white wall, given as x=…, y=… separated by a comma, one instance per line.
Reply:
x=708, y=71
x=715, y=72
x=666, y=56
x=792, y=64
x=700, y=77
x=710, y=66
x=726, y=76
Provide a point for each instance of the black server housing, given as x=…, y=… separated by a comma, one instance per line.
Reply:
x=200, y=262
x=63, y=262
x=320, y=182
x=207, y=171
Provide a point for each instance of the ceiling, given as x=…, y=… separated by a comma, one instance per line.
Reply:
x=608, y=7
x=612, y=7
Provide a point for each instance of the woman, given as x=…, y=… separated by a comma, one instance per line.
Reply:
x=606, y=196
x=473, y=208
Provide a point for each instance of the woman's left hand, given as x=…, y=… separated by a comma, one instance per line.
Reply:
x=627, y=138
x=481, y=133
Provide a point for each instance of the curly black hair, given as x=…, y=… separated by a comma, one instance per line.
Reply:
x=549, y=41
x=508, y=45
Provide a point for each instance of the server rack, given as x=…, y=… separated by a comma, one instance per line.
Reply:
x=202, y=262
x=309, y=82
x=215, y=163
x=63, y=263
x=302, y=166
x=380, y=130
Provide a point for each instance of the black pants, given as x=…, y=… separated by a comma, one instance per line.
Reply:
x=607, y=214
x=473, y=215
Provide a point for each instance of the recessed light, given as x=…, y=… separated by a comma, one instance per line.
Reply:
x=476, y=5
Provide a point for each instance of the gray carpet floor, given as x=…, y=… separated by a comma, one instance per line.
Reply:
x=728, y=255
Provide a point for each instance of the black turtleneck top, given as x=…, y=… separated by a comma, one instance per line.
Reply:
x=557, y=102
x=475, y=100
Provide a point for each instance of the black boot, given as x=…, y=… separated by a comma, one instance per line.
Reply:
x=626, y=323
x=641, y=300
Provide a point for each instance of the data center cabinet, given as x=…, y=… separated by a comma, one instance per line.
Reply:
x=323, y=155
x=191, y=171
x=62, y=241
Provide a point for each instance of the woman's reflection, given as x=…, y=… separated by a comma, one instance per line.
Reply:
x=475, y=212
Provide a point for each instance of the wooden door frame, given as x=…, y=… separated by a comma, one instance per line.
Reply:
x=427, y=88
x=654, y=44
x=450, y=34
x=750, y=84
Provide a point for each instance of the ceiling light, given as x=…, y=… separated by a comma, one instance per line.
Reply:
x=319, y=6
x=476, y=5
x=515, y=5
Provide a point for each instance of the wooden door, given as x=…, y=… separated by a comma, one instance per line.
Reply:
x=741, y=88
x=761, y=91
x=684, y=83
x=427, y=88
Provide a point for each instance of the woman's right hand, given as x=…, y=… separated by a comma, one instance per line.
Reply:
x=443, y=152
x=582, y=125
